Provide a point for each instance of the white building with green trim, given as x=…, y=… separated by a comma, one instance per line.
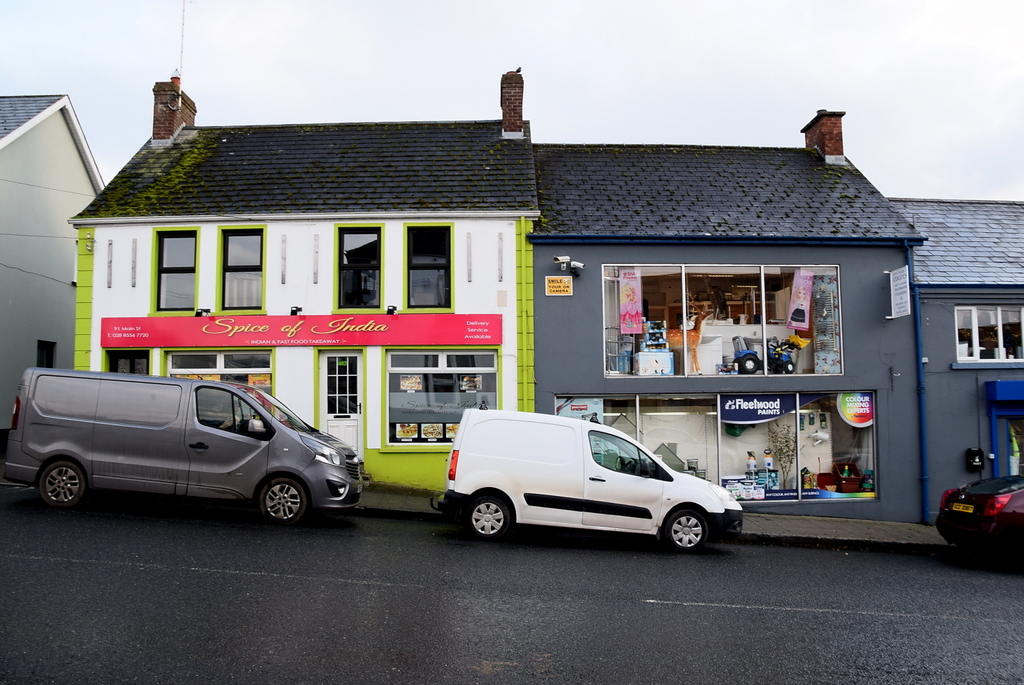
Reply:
x=374, y=276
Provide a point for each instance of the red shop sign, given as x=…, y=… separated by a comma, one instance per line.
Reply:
x=276, y=331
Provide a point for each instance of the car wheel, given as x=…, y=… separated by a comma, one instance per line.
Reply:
x=685, y=530
x=283, y=500
x=748, y=364
x=62, y=484
x=489, y=517
x=788, y=367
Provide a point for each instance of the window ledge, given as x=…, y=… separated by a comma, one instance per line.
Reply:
x=989, y=364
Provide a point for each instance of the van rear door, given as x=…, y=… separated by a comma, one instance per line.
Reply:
x=225, y=460
x=617, y=493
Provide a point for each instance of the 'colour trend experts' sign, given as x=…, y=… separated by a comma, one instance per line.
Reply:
x=856, y=408
x=276, y=331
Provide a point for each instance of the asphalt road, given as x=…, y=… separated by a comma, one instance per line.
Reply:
x=126, y=589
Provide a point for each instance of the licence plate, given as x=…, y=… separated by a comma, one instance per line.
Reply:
x=966, y=508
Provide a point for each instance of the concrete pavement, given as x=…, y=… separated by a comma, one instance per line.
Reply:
x=758, y=528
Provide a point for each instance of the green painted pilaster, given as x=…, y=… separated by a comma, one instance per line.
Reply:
x=83, y=297
x=524, y=317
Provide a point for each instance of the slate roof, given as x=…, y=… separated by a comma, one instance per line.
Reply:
x=970, y=242
x=672, y=191
x=17, y=110
x=325, y=168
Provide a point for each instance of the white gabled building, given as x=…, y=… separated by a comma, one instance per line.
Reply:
x=47, y=175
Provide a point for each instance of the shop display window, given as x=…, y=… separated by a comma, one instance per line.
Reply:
x=249, y=367
x=428, y=391
x=988, y=333
x=683, y=432
x=694, y=320
x=761, y=447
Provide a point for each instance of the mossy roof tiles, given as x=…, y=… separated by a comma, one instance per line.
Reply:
x=680, y=191
x=325, y=168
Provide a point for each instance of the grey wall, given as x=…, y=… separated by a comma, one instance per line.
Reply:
x=955, y=397
x=879, y=354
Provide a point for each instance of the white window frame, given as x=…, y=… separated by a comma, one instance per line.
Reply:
x=975, y=343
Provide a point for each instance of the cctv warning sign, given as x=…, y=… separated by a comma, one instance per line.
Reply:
x=557, y=285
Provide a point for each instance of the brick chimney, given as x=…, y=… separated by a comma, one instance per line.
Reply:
x=512, y=105
x=172, y=111
x=825, y=134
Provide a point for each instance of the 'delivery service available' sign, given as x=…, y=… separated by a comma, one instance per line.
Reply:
x=341, y=329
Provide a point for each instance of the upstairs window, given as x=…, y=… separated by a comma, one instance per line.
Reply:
x=243, y=270
x=707, y=320
x=358, y=268
x=176, y=271
x=988, y=333
x=429, y=265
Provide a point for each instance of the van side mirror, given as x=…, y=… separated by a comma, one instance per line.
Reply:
x=256, y=427
x=645, y=468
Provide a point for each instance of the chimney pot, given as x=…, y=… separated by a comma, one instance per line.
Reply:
x=824, y=133
x=512, y=105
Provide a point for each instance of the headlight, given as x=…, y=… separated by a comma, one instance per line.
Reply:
x=322, y=452
x=723, y=494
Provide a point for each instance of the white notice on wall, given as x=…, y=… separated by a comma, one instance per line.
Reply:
x=899, y=286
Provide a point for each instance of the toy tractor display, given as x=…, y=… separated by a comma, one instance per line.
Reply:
x=782, y=354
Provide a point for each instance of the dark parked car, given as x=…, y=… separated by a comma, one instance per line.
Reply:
x=986, y=512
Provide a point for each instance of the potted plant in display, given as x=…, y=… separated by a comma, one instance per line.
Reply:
x=782, y=443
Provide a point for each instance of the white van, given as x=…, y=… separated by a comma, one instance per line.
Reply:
x=510, y=467
x=77, y=430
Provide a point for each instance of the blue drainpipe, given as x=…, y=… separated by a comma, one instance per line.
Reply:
x=921, y=404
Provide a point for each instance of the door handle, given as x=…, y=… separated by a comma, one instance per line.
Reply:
x=199, y=446
x=598, y=479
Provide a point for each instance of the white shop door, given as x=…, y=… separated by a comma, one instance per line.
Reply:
x=340, y=397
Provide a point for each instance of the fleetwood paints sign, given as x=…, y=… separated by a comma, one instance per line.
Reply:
x=755, y=408
x=276, y=331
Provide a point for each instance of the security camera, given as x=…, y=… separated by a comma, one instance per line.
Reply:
x=562, y=260
x=576, y=265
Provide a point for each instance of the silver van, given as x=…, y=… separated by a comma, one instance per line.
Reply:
x=76, y=430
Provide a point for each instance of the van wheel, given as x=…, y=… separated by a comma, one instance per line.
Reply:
x=489, y=517
x=283, y=500
x=62, y=484
x=685, y=530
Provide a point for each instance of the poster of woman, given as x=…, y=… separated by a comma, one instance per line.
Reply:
x=800, y=306
x=631, y=311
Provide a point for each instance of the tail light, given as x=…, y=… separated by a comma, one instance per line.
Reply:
x=453, y=465
x=996, y=504
x=17, y=413
x=946, y=496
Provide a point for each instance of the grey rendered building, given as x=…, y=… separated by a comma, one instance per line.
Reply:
x=970, y=278
x=48, y=175
x=731, y=308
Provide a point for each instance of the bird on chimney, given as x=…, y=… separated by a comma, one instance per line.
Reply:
x=519, y=70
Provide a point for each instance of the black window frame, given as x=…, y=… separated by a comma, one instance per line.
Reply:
x=227, y=268
x=412, y=267
x=162, y=270
x=357, y=270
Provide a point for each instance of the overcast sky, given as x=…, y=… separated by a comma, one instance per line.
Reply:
x=933, y=89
